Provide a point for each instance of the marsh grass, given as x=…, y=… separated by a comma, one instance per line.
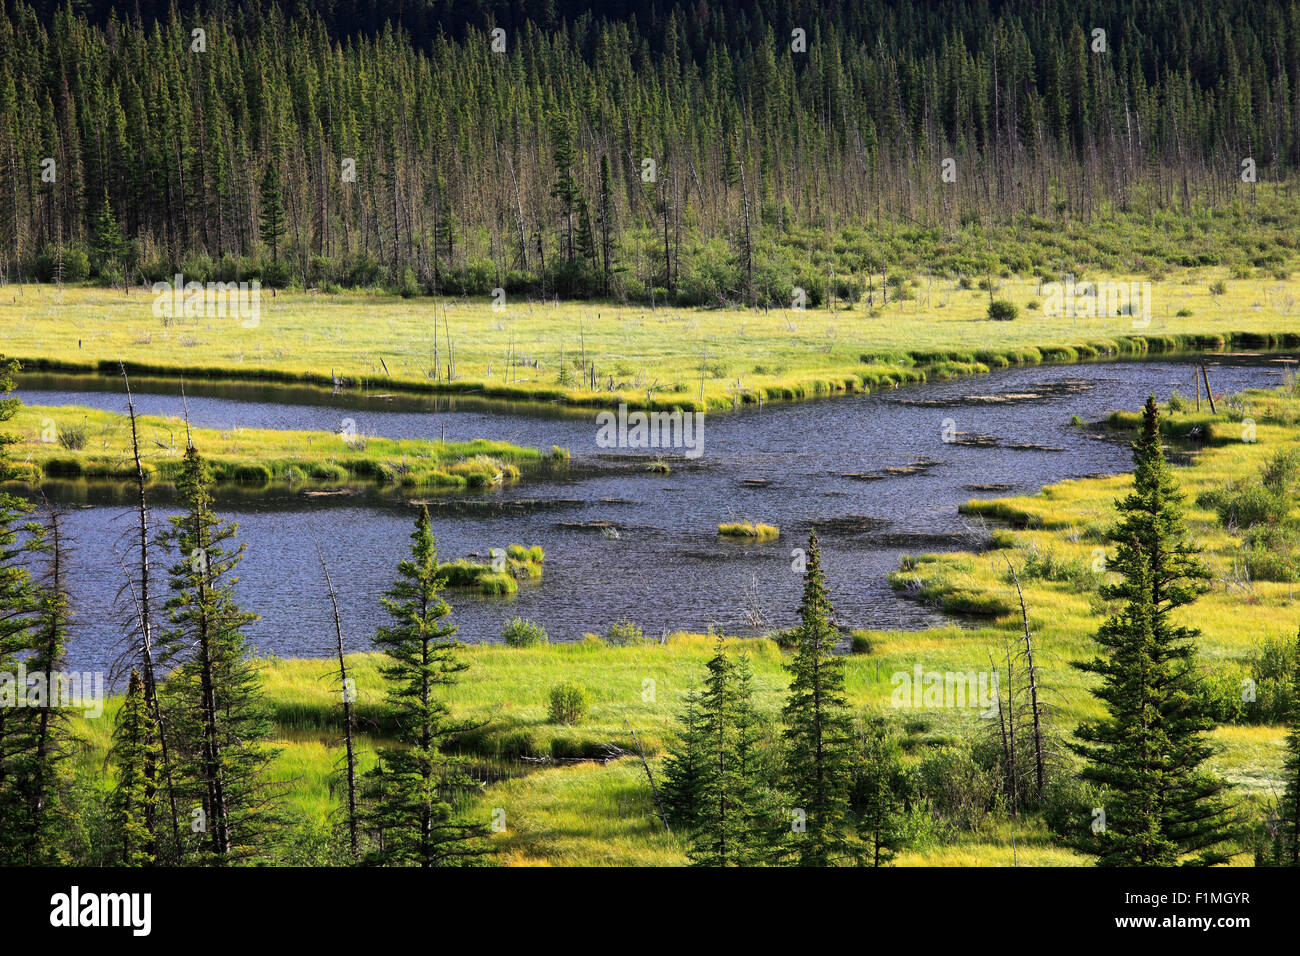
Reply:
x=748, y=529
x=255, y=457
x=652, y=356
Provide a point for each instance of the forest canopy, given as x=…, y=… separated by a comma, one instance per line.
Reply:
x=689, y=151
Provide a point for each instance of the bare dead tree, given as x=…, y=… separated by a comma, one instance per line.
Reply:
x=1035, y=708
x=349, y=717
x=144, y=620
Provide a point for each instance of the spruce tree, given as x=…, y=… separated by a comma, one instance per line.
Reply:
x=1288, y=828
x=271, y=223
x=728, y=825
x=878, y=794
x=1147, y=752
x=415, y=785
x=215, y=717
x=565, y=187
x=682, y=769
x=19, y=601
x=106, y=237
x=132, y=804
x=818, y=751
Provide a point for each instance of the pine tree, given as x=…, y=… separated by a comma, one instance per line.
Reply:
x=586, y=236
x=216, y=720
x=682, y=768
x=413, y=813
x=106, y=242
x=565, y=187
x=19, y=602
x=132, y=804
x=818, y=736
x=605, y=224
x=1288, y=824
x=728, y=825
x=46, y=732
x=1148, y=750
x=877, y=796
x=271, y=218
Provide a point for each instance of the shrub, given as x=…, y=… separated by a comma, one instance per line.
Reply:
x=1178, y=402
x=1218, y=287
x=624, y=633
x=73, y=437
x=958, y=791
x=569, y=703
x=521, y=633
x=1244, y=504
x=859, y=643
x=1000, y=310
x=786, y=639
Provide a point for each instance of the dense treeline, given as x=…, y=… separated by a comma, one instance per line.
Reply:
x=131, y=148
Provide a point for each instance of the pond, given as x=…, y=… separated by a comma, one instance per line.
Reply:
x=873, y=473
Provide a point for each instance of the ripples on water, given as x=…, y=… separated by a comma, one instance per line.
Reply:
x=825, y=463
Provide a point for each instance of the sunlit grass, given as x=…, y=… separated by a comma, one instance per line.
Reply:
x=749, y=529
x=664, y=357
x=250, y=456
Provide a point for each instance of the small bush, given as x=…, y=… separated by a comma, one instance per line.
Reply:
x=1000, y=310
x=569, y=703
x=859, y=643
x=624, y=633
x=522, y=633
x=1218, y=287
x=73, y=437
x=1245, y=504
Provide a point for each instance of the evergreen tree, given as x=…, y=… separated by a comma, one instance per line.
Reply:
x=413, y=815
x=682, y=769
x=728, y=825
x=818, y=736
x=605, y=224
x=106, y=243
x=20, y=600
x=216, y=721
x=132, y=804
x=271, y=217
x=565, y=186
x=878, y=794
x=1148, y=750
x=1288, y=824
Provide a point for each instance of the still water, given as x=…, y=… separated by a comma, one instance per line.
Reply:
x=621, y=541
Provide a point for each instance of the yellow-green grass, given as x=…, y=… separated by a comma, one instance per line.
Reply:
x=663, y=357
x=748, y=529
x=1064, y=526
x=250, y=455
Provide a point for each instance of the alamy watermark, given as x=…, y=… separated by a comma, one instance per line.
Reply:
x=209, y=300
x=942, y=689
x=83, y=691
x=1088, y=300
x=675, y=429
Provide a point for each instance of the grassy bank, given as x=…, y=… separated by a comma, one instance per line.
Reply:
x=603, y=354
x=74, y=442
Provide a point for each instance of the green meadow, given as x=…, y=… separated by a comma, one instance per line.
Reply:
x=600, y=354
x=74, y=443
